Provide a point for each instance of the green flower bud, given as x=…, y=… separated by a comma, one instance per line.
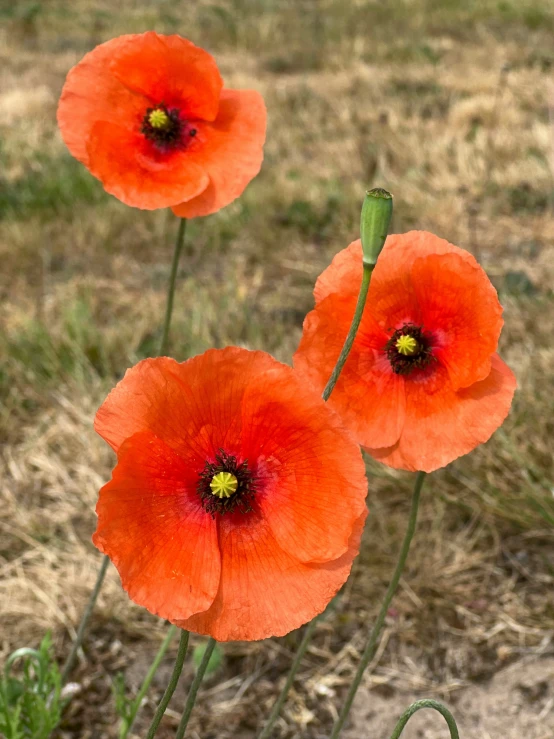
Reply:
x=374, y=223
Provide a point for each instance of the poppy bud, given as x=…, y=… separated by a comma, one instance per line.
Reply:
x=374, y=223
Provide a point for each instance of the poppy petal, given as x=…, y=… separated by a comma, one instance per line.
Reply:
x=265, y=591
x=343, y=275
x=459, y=305
x=391, y=296
x=230, y=150
x=401, y=250
x=146, y=399
x=153, y=528
x=390, y=299
x=131, y=169
x=182, y=402
x=368, y=395
x=169, y=70
x=442, y=424
x=90, y=94
x=312, y=475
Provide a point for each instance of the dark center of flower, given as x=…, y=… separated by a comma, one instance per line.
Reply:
x=165, y=127
x=409, y=348
x=225, y=486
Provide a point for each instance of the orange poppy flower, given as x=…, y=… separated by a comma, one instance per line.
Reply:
x=148, y=116
x=423, y=384
x=237, y=503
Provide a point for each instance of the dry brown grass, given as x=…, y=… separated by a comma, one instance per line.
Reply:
x=446, y=104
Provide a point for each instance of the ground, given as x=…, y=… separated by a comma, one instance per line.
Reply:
x=515, y=704
x=447, y=104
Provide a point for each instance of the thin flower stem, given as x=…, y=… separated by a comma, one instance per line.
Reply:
x=176, y=674
x=136, y=704
x=371, y=645
x=362, y=296
x=172, y=280
x=194, y=688
x=163, y=348
x=276, y=710
x=85, y=619
x=417, y=706
x=341, y=361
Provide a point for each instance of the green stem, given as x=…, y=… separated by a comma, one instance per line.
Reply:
x=276, y=710
x=163, y=348
x=194, y=688
x=341, y=361
x=417, y=706
x=85, y=619
x=343, y=356
x=371, y=645
x=127, y=724
x=176, y=674
x=172, y=280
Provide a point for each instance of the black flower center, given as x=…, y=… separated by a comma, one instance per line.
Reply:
x=165, y=127
x=409, y=348
x=226, y=486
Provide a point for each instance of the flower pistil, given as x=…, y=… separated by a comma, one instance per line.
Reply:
x=407, y=345
x=224, y=484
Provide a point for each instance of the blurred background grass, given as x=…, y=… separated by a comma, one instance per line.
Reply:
x=447, y=104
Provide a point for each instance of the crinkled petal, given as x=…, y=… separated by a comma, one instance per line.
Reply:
x=460, y=307
x=368, y=396
x=153, y=528
x=194, y=406
x=312, y=482
x=442, y=424
x=230, y=150
x=91, y=93
x=133, y=171
x=401, y=251
x=343, y=275
x=169, y=70
x=265, y=591
x=391, y=298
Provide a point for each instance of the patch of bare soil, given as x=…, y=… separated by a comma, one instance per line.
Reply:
x=517, y=703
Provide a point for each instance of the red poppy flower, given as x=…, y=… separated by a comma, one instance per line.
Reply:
x=147, y=115
x=423, y=384
x=237, y=503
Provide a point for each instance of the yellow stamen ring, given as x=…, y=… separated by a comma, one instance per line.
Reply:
x=407, y=345
x=224, y=484
x=158, y=118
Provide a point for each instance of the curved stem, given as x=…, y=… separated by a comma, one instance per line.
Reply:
x=163, y=348
x=128, y=724
x=276, y=710
x=85, y=619
x=175, y=675
x=417, y=706
x=341, y=361
x=371, y=645
x=343, y=356
x=171, y=288
x=194, y=688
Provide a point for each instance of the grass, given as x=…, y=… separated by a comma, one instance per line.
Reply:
x=446, y=104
